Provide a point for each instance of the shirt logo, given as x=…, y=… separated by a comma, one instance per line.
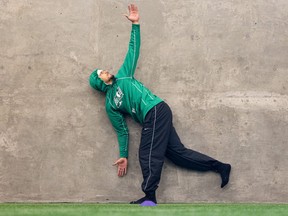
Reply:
x=118, y=97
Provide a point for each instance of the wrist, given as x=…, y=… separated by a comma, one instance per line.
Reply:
x=135, y=22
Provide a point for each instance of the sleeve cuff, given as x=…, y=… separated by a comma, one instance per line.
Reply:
x=123, y=154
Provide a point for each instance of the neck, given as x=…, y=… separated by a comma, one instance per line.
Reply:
x=109, y=82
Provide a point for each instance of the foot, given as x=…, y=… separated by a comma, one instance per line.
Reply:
x=225, y=173
x=142, y=200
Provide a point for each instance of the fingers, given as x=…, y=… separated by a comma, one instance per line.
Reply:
x=122, y=171
x=119, y=172
x=132, y=8
x=117, y=162
x=135, y=8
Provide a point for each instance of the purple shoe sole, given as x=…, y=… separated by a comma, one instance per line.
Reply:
x=148, y=203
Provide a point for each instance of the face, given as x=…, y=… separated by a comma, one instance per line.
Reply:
x=106, y=76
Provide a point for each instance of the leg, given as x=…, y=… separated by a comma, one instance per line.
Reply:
x=154, y=140
x=187, y=158
x=194, y=160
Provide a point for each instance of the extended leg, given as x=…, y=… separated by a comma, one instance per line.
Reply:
x=194, y=160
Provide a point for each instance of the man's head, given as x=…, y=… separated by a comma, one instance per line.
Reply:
x=105, y=76
x=101, y=80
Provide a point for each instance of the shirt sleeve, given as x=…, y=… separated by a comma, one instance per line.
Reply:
x=131, y=59
x=119, y=124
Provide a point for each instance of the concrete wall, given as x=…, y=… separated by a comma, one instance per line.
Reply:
x=220, y=64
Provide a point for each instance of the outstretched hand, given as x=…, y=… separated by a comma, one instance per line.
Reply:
x=122, y=164
x=133, y=14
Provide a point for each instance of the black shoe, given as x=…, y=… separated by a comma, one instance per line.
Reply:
x=143, y=199
x=225, y=173
x=139, y=201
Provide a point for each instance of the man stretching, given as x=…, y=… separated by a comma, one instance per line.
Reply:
x=159, y=139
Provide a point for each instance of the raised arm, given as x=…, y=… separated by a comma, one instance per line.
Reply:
x=130, y=62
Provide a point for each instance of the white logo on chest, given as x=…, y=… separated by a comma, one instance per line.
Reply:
x=118, y=97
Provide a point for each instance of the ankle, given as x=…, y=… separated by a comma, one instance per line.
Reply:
x=217, y=166
x=151, y=196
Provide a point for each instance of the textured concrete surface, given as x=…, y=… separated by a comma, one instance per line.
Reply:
x=221, y=65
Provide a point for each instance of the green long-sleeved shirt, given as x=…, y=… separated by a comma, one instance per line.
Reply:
x=127, y=95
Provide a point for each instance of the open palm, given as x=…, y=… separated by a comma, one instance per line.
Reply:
x=133, y=13
x=122, y=164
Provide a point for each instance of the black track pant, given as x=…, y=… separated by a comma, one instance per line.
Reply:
x=159, y=139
